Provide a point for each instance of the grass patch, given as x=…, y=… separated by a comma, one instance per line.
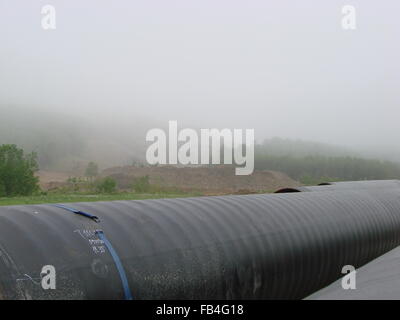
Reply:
x=64, y=198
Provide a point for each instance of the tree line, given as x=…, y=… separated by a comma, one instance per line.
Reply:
x=316, y=168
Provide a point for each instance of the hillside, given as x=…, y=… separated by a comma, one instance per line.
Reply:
x=211, y=180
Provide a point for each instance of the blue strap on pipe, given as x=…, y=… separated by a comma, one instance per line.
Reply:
x=118, y=264
x=85, y=214
x=107, y=243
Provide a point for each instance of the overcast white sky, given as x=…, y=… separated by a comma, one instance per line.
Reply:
x=283, y=67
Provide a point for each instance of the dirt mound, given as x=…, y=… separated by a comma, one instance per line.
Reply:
x=210, y=180
x=49, y=180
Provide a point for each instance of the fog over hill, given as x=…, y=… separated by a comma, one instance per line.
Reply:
x=109, y=72
x=67, y=142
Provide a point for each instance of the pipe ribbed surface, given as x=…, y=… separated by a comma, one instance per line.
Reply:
x=346, y=185
x=270, y=246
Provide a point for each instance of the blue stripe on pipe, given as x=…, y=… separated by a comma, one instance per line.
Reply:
x=85, y=214
x=114, y=255
x=118, y=264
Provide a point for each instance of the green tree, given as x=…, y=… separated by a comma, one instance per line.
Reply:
x=17, y=171
x=92, y=170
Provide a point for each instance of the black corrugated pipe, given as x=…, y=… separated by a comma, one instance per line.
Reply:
x=276, y=246
x=345, y=185
x=364, y=184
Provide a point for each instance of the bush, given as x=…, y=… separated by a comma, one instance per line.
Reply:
x=106, y=185
x=142, y=184
x=75, y=184
x=2, y=189
x=17, y=171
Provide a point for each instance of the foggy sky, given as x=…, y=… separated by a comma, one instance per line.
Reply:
x=283, y=67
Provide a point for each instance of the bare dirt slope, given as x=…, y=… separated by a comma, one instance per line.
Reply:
x=211, y=180
x=52, y=179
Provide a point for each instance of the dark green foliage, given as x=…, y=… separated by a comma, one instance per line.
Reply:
x=312, y=163
x=17, y=171
x=106, y=185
